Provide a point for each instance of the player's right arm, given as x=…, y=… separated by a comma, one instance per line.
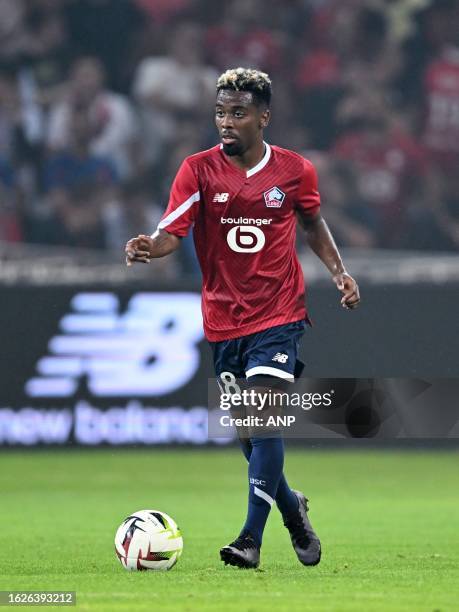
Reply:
x=175, y=223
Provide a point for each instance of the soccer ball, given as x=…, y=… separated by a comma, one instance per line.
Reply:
x=148, y=540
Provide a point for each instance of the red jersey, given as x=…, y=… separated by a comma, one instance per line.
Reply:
x=244, y=229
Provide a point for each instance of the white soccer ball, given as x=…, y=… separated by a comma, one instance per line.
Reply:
x=148, y=540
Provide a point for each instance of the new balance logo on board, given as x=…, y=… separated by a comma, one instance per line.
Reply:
x=221, y=197
x=280, y=358
x=119, y=352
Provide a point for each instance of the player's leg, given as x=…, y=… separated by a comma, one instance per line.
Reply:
x=265, y=460
x=274, y=353
x=285, y=499
x=228, y=357
x=293, y=507
x=263, y=447
x=244, y=551
x=265, y=468
x=265, y=453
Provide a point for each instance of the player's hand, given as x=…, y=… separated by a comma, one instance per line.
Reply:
x=349, y=288
x=138, y=250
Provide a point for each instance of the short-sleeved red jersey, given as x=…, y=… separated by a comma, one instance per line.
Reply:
x=244, y=228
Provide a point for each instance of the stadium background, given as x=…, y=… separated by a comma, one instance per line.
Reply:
x=100, y=100
x=99, y=103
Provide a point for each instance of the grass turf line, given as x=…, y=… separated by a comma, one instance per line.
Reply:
x=388, y=522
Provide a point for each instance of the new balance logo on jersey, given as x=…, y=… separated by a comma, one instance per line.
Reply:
x=280, y=358
x=122, y=354
x=274, y=197
x=221, y=197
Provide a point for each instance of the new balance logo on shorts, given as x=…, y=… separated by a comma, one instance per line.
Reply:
x=221, y=197
x=280, y=358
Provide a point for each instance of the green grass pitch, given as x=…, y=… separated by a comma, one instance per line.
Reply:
x=388, y=522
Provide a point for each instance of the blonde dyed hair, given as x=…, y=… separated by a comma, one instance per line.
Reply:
x=247, y=79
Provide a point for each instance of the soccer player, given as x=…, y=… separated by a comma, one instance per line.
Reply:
x=243, y=198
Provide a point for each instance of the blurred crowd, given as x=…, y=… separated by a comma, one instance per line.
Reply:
x=100, y=100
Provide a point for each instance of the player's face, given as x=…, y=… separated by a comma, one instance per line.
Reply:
x=239, y=121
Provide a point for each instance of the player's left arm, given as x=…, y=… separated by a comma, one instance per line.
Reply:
x=321, y=241
x=319, y=237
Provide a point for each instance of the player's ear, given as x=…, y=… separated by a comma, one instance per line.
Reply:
x=264, y=118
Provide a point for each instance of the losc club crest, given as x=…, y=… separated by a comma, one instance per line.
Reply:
x=274, y=197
